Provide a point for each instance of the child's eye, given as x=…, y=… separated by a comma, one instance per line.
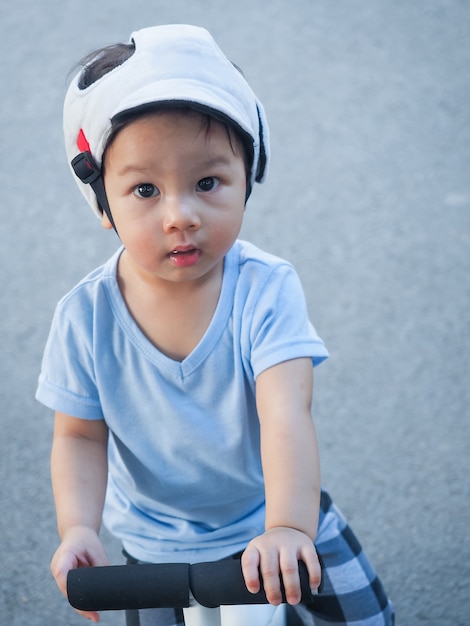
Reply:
x=207, y=184
x=146, y=190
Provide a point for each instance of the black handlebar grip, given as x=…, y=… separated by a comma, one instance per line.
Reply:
x=119, y=587
x=166, y=585
x=222, y=582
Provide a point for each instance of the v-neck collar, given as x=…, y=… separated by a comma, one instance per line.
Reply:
x=179, y=369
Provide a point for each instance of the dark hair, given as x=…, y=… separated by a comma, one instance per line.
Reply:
x=98, y=63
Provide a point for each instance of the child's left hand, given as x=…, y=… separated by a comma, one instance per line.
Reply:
x=277, y=551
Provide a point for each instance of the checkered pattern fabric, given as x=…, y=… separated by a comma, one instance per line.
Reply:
x=350, y=594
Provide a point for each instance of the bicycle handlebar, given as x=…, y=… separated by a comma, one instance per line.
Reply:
x=168, y=585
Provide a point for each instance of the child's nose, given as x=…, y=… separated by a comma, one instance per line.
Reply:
x=180, y=214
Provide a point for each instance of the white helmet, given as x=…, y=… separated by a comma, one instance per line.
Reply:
x=172, y=64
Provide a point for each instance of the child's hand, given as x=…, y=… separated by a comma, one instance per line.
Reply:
x=277, y=551
x=80, y=547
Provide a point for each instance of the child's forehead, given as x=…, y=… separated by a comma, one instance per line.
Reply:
x=185, y=120
x=201, y=135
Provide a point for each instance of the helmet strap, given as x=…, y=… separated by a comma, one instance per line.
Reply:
x=88, y=172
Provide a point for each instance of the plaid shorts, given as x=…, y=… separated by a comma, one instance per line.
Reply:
x=350, y=592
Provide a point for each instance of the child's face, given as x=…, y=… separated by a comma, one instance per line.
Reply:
x=176, y=189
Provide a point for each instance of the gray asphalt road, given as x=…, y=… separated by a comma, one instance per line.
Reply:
x=369, y=196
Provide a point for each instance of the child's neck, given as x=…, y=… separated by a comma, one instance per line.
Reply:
x=173, y=316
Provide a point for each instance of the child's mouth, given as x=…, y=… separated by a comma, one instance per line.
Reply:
x=185, y=258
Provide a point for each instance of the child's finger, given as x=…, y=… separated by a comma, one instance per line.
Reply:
x=310, y=558
x=290, y=577
x=269, y=568
x=250, y=564
x=60, y=566
x=93, y=616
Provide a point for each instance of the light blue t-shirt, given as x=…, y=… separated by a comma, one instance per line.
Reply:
x=185, y=479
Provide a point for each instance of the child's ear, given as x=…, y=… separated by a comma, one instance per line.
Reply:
x=105, y=222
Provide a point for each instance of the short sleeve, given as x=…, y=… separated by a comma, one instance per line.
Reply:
x=280, y=327
x=67, y=382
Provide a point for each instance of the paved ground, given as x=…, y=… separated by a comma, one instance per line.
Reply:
x=369, y=196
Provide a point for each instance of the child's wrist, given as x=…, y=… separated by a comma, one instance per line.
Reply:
x=78, y=528
x=290, y=528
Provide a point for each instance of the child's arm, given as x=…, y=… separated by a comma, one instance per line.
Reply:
x=292, y=481
x=79, y=475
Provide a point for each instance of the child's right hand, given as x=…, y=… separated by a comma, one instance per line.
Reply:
x=80, y=547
